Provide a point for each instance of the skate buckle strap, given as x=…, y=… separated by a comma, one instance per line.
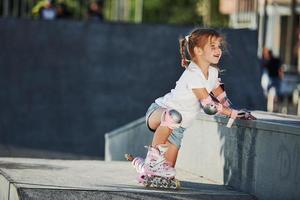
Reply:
x=233, y=116
x=222, y=96
x=223, y=99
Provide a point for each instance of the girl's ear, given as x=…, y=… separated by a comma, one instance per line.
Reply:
x=198, y=51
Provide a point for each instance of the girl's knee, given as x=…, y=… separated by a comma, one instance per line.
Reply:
x=153, y=120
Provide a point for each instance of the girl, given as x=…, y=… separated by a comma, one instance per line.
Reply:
x=197, y=88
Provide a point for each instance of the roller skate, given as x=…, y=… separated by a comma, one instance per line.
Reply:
x=155, y=171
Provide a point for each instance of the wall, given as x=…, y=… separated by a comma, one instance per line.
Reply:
x=128, y=139
x=259, y=157
x=63, y=84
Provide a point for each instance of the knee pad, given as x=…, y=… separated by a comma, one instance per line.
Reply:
x=211, y=107
x=171, y=118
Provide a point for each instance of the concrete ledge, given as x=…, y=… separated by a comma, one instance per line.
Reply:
x=36, y=179
x=279, y=123
x=4, y=187
x=8, y=191
x=260, y=157
x=123, y=140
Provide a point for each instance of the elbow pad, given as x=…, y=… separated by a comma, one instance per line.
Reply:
x=223, y=99
x=211, y=107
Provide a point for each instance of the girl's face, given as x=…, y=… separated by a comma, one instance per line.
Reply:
x=212, y=52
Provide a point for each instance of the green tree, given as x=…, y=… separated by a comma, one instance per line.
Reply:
x=74, y=7
x=171, y=12
x=209, y=9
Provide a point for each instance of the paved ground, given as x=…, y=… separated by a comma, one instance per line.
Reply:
x=64, y=179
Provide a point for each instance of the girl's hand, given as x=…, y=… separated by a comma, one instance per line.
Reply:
x=239, y=114
x=245, y=114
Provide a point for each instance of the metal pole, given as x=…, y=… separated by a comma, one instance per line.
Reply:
x=138, y=11
x=15, y=10
x=115, y=10
x=23, y=8
x=6, y=8
x=256, y=10
x=293, y=33
x=265, y=20
x=289, y=54
x=28, y=8
x=125, y=7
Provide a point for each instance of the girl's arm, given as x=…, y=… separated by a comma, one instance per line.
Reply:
x=217, y=91
x=221, y=95
x=212, y=107
x=205, y=99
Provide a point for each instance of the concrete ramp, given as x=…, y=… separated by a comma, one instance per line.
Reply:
x=260, y=157
x=37, y=179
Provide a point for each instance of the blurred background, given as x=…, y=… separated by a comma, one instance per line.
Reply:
x=72, y=70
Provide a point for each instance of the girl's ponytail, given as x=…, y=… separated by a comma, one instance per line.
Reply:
x=183, y=47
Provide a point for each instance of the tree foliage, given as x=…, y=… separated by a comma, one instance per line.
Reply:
x=171, y=12
x=201, y=12
x=75, y=7
x=183, y=12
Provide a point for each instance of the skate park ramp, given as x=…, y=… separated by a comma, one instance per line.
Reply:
x=37, y=179
x=259, y=157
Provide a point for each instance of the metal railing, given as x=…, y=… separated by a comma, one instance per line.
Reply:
x=15, y=8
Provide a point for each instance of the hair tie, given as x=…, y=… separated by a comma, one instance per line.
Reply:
x=187, y=38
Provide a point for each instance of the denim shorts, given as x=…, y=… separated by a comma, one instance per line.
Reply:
x=177, y=133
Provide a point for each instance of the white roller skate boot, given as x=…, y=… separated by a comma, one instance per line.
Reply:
x=156, y=163
x=155, y=171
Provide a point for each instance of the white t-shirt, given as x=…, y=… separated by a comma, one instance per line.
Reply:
x=182, y=98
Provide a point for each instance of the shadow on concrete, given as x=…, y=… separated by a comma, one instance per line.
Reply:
x=197, y=191
x=201, y=186
x=185, y=186
x=238, y=150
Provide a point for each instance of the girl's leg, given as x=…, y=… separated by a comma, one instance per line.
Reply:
x=161, y=135
x=172, y=153
x=154, y=118
x=174, y=143
x=155, y=161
